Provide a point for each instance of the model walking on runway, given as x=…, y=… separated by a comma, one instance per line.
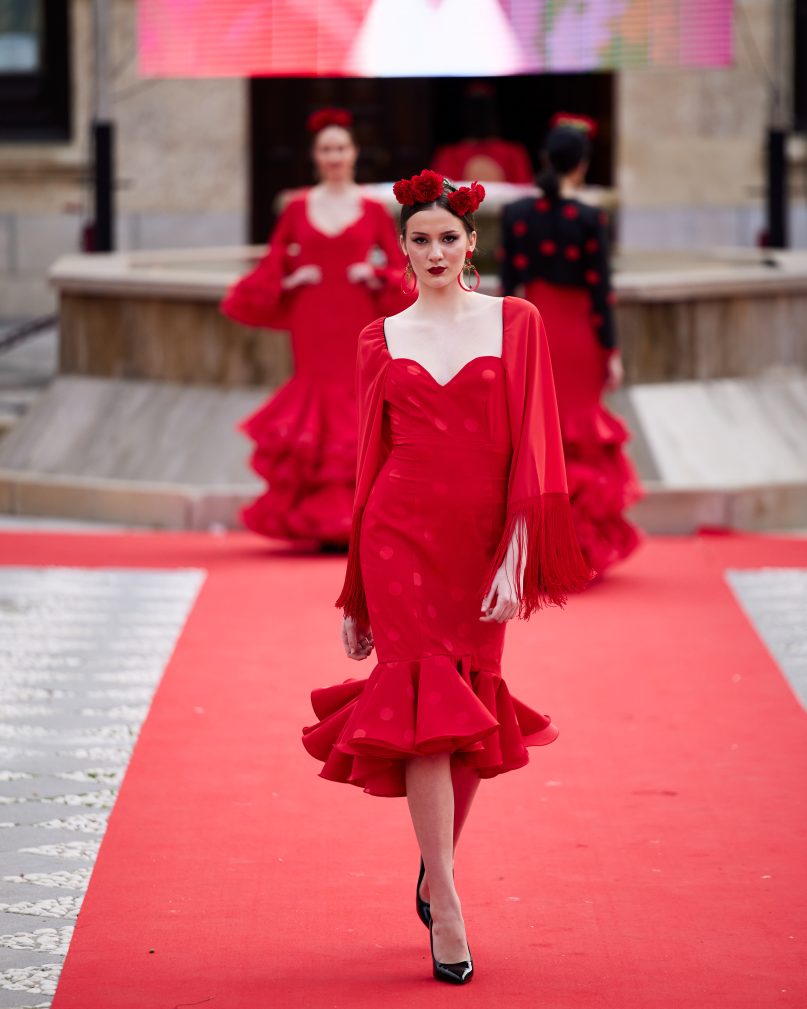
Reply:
x=555, y=249
x=320, y=281
x=461, y=522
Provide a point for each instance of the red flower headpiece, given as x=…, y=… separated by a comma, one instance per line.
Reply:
x=466, y=199
x=573, y=121
x=328, y=117
x=426, y=187
x=423, y=188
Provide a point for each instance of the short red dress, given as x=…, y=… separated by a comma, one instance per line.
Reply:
x=305, y=434
x=427, y=538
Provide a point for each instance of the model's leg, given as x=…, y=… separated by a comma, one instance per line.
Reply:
x=465, y=782
x=430, y=793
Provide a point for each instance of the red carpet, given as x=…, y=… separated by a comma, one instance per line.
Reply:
x=653, y=857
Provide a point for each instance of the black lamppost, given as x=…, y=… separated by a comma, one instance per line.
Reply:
x=780, y=125
x=102, y=137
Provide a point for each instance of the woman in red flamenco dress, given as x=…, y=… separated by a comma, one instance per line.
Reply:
x=319, y=281
x=555, y=250
x=461, y=522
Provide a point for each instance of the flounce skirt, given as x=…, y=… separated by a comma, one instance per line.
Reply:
x=369, y=728
x=305, y=449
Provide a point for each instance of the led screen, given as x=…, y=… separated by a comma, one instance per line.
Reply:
x=434, y=38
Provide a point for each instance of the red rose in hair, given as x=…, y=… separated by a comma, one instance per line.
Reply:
x=478, y=193
x=427, y=186
x=328, y=117
x=404, y=193
x=461, y=202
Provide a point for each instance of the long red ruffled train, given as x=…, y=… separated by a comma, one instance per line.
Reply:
x=602, y=481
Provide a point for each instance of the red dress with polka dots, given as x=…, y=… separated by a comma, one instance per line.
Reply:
x=433, y=521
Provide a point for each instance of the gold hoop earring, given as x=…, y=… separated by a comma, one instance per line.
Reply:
x=407, y=285
x=469, y=266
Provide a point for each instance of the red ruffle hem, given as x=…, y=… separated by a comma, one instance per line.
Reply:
x=305, y=449
x=435, y=704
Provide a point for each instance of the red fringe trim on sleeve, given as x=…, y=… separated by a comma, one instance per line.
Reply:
x=548, y=550
x=352, y=598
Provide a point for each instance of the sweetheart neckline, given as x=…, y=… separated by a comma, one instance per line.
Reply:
x=444, y=385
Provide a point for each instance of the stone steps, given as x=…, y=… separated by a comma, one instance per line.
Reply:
x=727, y=453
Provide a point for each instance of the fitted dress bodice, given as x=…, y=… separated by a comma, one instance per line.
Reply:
x=444, y=482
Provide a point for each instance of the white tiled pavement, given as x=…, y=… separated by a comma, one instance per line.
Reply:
x=81, y=653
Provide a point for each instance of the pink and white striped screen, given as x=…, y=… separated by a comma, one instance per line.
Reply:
x=435, y=38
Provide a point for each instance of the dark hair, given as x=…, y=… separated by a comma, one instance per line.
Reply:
x=407, y=211
x=564, y=150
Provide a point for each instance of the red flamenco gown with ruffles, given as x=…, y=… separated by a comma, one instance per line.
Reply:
x=305, y=434
x=431, y=532
x=558, y=251
x=602, y=481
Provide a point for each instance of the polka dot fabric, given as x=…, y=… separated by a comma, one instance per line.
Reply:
x=432, y=522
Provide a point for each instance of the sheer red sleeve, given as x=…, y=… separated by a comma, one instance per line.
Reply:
x=372, y=361
x=539, y=519
x=258, y=299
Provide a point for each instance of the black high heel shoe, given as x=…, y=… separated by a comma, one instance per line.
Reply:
x=452, y=973
x=423, y=909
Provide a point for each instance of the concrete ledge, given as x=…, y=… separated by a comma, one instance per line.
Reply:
x=680, y=512
x=663, y=511
x=153, y=505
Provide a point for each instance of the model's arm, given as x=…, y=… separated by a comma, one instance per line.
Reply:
x=502, y=600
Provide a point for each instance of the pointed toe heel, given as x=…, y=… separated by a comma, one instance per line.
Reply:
x=451, y=973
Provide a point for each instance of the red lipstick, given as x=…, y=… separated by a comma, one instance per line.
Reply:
x=436, y=271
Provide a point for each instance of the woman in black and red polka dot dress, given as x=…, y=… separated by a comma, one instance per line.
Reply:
x=555, y=253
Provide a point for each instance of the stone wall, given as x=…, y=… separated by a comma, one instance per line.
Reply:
x=691, y=159
x=181, y=163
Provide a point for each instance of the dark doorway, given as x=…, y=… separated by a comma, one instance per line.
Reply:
x=401, y=121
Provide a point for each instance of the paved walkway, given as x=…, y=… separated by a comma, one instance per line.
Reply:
x=81, y=653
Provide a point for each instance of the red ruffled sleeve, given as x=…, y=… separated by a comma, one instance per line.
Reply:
x=372, y=362
x=538, y=510
x=258, y=299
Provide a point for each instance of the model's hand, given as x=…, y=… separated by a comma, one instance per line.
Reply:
x=615, y=374
x=357, y=639
x=362, y=273
x=308, y=274
x=501, y=601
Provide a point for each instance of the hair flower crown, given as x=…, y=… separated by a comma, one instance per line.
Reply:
x=428, y=186
x=574, y=121
x=321, y=118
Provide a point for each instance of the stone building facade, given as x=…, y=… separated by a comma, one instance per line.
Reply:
x=688, y=159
